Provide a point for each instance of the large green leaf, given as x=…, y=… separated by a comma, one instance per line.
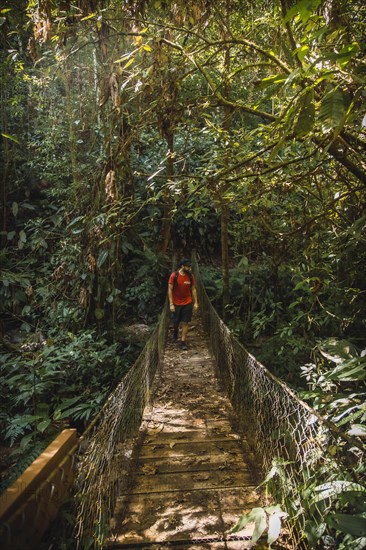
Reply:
x=257, y=516
x=333, y=108
x=103, y=255
x=43, y=425
x=351, y=370
x=273, y=79
x=260, y=517
x=242, y=523
x=304, y=9
x=344, y=56
x=314, y=531
x=275, y=516
x=335, y=488
x=336, y=350
x=358, y=429
x=306, y=117
x=354, y=525
x=302, y=52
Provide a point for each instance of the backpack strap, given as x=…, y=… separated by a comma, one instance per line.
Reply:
x=176, y=275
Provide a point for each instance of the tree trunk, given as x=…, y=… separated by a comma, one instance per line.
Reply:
x=167, y=210
x=223, y=189
x=72, y=138
x=5, y=161
x=225, y=257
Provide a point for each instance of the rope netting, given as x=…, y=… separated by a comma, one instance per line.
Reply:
x=309, y=461
x=106, y=446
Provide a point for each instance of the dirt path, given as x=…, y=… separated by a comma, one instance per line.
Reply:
x=192, y=480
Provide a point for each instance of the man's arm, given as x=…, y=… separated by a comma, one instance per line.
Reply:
x=170, y=296
x=195, y=299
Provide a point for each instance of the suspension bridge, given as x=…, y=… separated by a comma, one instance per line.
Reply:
x=193, y=475
x=174, y=457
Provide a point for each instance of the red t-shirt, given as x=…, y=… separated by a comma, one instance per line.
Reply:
x=182, y=289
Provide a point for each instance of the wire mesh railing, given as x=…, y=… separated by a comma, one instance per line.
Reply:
x=309, y=462
x=106, y=447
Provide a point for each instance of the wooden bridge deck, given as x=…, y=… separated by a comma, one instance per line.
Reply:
x=191, y=478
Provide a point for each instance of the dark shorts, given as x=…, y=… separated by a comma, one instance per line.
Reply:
x=182, y=314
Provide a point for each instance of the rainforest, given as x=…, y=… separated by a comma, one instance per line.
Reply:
x=138, y=132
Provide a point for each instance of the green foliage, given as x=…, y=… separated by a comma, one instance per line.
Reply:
x=329, y=504
x=148, y=284
x=303, y=10
x=267, y=519
x=212, y=281
x=56, y=382
x=337, y=390
x=261, y=113
x=332, y=110
x=336, y=383
x=349, y=499
x=19, y=460
x=306, y=118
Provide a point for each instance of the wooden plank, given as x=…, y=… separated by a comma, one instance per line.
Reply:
x=183, y=516
x=161, y=419
x=207, y=479
x=200, y=544
x=195, y=448
x=228, y=462
x=154, y=438
x=207, y=499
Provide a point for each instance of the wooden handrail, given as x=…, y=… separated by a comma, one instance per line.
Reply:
x=29, y=505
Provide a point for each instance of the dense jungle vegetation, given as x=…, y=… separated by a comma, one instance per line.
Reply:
x=131, y=130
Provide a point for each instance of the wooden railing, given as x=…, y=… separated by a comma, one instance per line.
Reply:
x=29, y=505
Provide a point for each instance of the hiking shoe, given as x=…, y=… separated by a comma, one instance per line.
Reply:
x=183, y=345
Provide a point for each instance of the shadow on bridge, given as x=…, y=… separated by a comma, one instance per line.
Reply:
x=192, y=476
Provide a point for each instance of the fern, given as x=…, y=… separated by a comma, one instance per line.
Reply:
x=18, y=425
x=24, y=459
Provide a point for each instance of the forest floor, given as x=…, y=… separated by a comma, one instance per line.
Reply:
x=194, y=474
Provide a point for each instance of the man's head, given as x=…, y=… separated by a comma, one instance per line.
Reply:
x=185, y=264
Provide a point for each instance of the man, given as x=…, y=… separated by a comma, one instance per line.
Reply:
x=182, y=295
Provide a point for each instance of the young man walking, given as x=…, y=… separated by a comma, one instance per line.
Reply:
x=182, y=295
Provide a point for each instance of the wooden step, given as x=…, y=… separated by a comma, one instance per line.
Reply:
x=184, y=515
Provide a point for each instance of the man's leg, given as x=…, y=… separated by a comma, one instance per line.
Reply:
x=184, y=331
x=186, y=317
x=176, y=320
